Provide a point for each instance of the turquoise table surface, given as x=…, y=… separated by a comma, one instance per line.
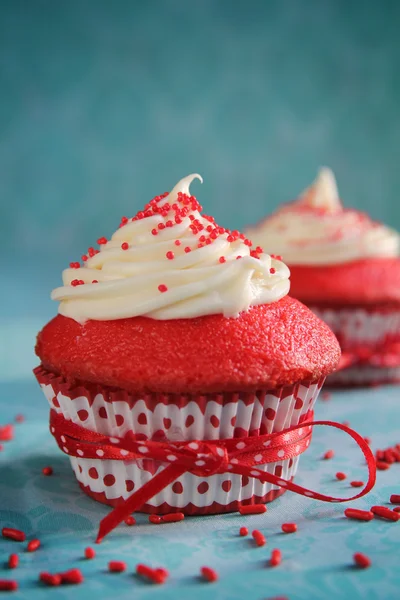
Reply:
x=317, y=560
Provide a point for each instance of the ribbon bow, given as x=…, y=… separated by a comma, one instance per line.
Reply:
x=241, y=456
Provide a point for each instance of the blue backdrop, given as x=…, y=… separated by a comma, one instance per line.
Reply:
x=105, y=104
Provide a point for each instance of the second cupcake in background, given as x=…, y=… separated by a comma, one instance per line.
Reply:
x=346, y=268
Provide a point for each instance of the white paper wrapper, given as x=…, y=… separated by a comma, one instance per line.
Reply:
x=211, y=417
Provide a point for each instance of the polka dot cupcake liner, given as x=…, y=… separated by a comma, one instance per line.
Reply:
x=372, y=336
x=178, y=417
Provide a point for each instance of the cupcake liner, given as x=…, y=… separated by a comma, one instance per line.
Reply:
x=178, y=417
x=370, y=327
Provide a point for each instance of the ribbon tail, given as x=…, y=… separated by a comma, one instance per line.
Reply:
x=134, y=502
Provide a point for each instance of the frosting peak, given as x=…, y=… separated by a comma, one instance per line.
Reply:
x=316, y=229
x=171, y=262
x=323, y=193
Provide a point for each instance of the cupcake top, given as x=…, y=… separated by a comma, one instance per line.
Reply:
x=316, y=229
x=171, y=262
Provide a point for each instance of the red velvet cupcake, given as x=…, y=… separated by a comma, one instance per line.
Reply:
x=346, y=268
x=176, y=330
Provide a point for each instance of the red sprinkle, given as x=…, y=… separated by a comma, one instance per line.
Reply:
x=222, y=259
x=252, y=509
x=102, y=240
x=125, y=246
x=361, y=560
x=8, y=585
x=396, y=509
x=13, y=534
x=130, y=521
x=6, y=433
x=47, y=471
x=13, y=561
x=385, y=513
x=258, y=537
x=73, y=576
x=117, y=566
x=243, y=531
x=272, y=270
x=170, y=255
x=155, y=519
x=177, y=242
x=276, y=558
x=329, y=454
x=155, y=575
x=356, y=483
x=340, y=476
x=289, y=527
x=89, y=553
x=50, y=580
x=359, y=515
x=162, y=574
x=187, y=249
x=395, y=498
x=173, y=517
x=209, y=574
x=382, y=466
x=33, y=545
x=162, y=288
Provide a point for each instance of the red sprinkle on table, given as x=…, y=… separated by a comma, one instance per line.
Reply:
x=162, y=288
x=33, y=545
x=13, y=561
x=382, y=466
x=396, y=509
x=258, y=537
x=6, y=433
x=289, y=527
x=209, y=574
x=13, y=534
x=356, y=483
x=47, y=471
x=341, y=476
x=154, y=575
x=50, y=580
x=8, y=585
x=73, y=576
x=117, y=566
x=155, y=519
x=252, y=509
x=361, y=560
x=329, y=454
x=385, y=513
x=172, y=517
x=395, y=498
x=276, y=558
x=243, y=531
x=89, y=553
x=130, y=521
x=359, y=515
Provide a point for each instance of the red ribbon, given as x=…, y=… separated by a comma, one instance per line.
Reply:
x=202, y=458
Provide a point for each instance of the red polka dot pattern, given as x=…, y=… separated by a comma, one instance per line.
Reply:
x=226, y=485
x=177, y=487
x=270, y=414
x=142, y=419
x=278, y=470
x=103, y=412
x=203, y=487
x=129, y=485
x=189, y=421
x=298, y=404
x=245, y=480
x=119, y=419
x=167, y=423
x=109, y=480
x=93, y=473
x=83, y=414
x=56, y=402
x=214, y=421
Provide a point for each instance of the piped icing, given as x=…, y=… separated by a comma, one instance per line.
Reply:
x=171, y=261
x=316, y=229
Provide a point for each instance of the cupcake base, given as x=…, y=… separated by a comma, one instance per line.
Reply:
x=171, y=417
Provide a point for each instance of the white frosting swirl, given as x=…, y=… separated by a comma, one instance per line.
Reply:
x=209, y=279
x=317, y=230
